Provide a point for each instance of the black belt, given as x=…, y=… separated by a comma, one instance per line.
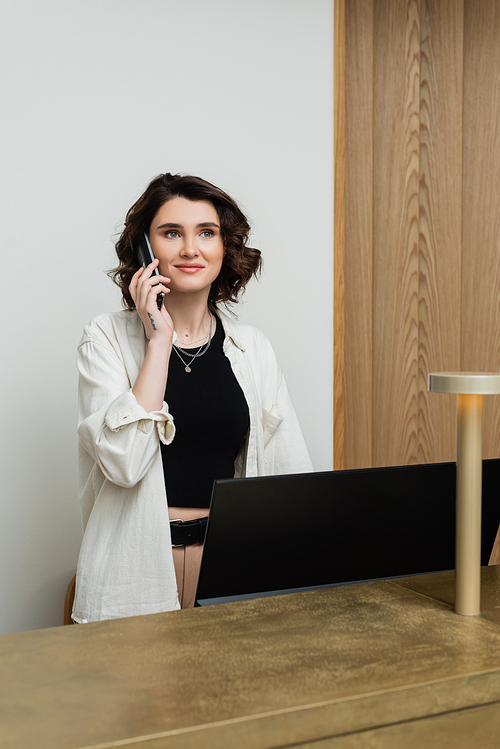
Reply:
x=186, y=532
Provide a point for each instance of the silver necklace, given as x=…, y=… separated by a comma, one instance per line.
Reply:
x=201, y=350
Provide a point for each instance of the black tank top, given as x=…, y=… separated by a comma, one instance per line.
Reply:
x=211, y=419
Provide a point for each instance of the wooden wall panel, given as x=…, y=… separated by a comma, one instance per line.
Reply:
x=419, y=258
x=396, y=213
x=441, y=86
x=339, y=233
x=359, y=235
x=481, y=214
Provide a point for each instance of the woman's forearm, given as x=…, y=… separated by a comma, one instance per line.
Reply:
x=149, y=388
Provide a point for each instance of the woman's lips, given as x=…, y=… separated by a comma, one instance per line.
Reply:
x=189, y=268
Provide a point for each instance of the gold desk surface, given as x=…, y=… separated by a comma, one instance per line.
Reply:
x=271, y=672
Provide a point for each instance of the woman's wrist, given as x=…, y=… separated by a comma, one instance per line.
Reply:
x=159, y=348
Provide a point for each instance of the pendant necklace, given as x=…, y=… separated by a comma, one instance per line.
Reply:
x=201, y=350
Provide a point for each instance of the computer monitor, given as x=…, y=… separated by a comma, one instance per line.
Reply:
x=278, y=534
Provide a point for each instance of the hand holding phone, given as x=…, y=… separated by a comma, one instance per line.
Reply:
x=145, y=256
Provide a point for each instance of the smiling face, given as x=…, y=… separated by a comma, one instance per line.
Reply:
x=186, y=238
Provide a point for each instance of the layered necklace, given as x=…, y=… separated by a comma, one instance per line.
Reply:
x=202, y=350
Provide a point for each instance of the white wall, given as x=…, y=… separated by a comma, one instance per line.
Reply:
x=99, y=97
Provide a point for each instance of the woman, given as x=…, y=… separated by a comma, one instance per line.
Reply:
x=228, y=412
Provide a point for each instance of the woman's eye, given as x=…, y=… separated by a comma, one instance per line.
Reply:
x=207, y=233
x=172, y=234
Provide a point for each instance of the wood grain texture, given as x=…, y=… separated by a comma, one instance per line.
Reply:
x=440, y=196
x=358, y=342
x=422, y=172
x=396, y=231
x=339, y=233
x=481, y=213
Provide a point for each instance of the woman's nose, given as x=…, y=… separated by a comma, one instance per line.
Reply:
x=189, y=247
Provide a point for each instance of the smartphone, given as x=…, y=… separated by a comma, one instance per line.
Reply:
x=145, y=256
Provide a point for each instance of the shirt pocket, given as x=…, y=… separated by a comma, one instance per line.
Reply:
x=270, y=422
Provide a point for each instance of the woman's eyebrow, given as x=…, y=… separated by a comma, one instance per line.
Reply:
x=204, y=225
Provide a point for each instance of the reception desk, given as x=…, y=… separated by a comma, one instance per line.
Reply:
x=382, y=664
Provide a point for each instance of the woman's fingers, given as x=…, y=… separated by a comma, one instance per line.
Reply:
x=148, y=290
x=138, y=278
x=143, y=281
x=147, y=293
x=143, y=273
x=144, y=289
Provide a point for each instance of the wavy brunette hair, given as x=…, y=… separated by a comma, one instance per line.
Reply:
x=240, y=262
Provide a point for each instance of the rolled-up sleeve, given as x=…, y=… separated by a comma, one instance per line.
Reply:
x=120, y=435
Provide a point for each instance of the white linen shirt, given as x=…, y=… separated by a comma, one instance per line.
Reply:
x=125, y=567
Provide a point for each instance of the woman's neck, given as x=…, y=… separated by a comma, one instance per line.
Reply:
x=190, y=317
